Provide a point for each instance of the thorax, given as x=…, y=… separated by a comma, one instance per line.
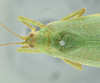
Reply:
x=47, y=40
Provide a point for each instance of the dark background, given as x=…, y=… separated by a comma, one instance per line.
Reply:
x=39, y=68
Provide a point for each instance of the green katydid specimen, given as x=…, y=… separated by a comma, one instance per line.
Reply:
x=76, y=41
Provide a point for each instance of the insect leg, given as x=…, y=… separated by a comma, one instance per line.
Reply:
x=26, y=50
x=77, y=13
x=31, y=27
x=75, y=65
x=30, y=21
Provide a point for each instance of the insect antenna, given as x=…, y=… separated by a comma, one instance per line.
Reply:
x=11, y=31
x=9, y=44
x=24, y=38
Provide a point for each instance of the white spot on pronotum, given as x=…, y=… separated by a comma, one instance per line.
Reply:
x=62, y=43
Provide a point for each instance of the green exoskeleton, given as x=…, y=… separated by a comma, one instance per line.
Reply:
x=76, y=41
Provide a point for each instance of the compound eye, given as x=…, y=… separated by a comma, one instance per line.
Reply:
x=31, y=46
x=31, y=35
